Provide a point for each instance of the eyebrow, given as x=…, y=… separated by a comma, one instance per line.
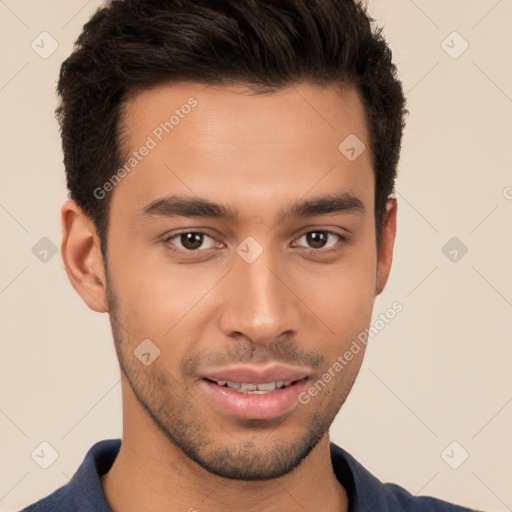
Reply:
x=185, y=206
x=333, y=203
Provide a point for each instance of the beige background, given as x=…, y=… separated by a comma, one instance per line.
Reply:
x=439, y=372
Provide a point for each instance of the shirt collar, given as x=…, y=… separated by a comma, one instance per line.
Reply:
x=365, y=492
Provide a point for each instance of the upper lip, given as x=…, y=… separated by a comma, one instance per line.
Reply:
x=256, y=375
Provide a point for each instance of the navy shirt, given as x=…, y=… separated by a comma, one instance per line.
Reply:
x=83, y=493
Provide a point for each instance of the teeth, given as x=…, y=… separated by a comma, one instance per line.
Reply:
x=268, y=386
x=256, y=389
x=248, y=387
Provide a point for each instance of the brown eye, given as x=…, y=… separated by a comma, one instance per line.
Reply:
x=320, y=239
x=191, y=241
x=316, y=239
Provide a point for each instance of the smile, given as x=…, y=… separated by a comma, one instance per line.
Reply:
x=254, y=389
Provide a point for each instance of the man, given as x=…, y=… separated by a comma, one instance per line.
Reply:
x=231, y=167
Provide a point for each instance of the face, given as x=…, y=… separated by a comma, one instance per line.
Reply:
x=242, y=246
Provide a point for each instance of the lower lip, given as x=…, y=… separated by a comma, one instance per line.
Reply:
x=255, y=406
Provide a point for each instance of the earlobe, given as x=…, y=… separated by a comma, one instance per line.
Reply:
x=82, y=256
x=385, y=254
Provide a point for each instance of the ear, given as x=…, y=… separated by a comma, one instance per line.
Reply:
x=385, y=254
x=82, y=256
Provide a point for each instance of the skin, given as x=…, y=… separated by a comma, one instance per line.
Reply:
x=296, y=303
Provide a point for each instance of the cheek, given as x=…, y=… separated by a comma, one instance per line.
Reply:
x=159, y=300
x=341, y=294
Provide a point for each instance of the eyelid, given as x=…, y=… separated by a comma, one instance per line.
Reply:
x=199, y=231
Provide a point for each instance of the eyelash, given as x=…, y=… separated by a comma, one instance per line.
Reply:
x=342, y=240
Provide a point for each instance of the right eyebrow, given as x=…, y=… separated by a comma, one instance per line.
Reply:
x=182, y=206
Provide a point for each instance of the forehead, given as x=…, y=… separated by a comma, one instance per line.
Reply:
x=229, y=144
x=234, y=112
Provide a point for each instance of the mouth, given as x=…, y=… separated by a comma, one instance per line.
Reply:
x=252, y=393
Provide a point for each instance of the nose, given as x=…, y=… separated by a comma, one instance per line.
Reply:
x=258, y=302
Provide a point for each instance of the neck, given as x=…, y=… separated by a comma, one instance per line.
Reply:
x=150, y=473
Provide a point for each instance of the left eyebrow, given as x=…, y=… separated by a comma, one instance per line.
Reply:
x=343, y=202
